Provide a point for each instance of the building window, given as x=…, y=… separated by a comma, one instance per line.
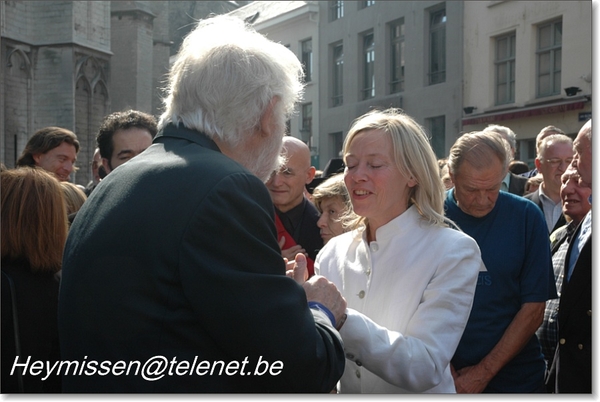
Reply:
x=505, y=69
x=336, y=10
x=368, y=91
x=338, y=75
x=367, y=3
x=306, y=128
x=397, y=57
x=437, y=129
x=527, y=151
x=336, y=143
x=307, y=59
x=549, y=52
x=437, y=47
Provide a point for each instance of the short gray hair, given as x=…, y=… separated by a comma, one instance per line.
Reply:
x=224, y=78
x=506, y=133
x=553, y=139
x=476, y=148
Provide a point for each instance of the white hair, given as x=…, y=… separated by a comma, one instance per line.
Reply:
x=506, y=133
x=224, y=78
x=550, y=140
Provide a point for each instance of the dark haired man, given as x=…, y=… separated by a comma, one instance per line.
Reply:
x=54, y=149
x=124, y=135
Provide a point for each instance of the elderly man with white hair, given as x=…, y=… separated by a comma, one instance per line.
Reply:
x=173, y=280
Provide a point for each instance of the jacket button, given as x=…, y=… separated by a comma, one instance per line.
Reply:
x=350, y=356
x=589, y=313
x=580, y=346
x=562, y=341
x=358, y=373
x=361, y=294
x=359, y=363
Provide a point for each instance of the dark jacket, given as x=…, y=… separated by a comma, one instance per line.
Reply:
x=516, y=185
x=175, y=254
x=535, y=197
x=572, y=366
x=29, y=328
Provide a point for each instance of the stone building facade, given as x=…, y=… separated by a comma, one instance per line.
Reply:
x=69, y=63
x=54, y=73
x=520, y=56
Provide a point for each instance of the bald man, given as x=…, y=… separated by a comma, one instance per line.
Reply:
x=296, y=217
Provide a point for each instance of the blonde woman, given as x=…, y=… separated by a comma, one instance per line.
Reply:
x=408, y=278
x=74, y=197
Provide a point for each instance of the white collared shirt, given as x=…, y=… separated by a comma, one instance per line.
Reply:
x=552, y=211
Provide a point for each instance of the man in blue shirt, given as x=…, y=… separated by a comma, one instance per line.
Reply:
x=499, y=351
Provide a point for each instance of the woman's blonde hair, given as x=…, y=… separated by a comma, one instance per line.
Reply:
x=334, y=187
x=34, y=219
x=74, y=196
x=413, y=156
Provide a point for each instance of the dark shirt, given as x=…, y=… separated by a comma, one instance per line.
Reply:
x=301, y=223
x=29, y=327
x=196, y=275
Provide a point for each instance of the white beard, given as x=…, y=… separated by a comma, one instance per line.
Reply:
x=264, y=160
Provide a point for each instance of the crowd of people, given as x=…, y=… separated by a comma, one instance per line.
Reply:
x=207, y=236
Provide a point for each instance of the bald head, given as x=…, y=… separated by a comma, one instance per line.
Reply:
x=287, y=185
x=295, y=148
x=582, y=159
x=546, y=132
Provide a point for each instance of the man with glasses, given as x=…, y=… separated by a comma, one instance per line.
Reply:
x=555, y=153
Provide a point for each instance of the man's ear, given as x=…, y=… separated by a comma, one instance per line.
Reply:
x=37, y=158
x=106, y=164
x=268, y=122
x=538, y=164
x=451, y=177
x=310, y=174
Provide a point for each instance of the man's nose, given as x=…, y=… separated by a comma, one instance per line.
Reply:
x=68, y=166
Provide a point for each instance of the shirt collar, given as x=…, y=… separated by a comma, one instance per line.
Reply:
x=506, y=180
x=294, y=215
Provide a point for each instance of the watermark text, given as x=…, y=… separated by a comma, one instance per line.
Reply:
x=153, y=369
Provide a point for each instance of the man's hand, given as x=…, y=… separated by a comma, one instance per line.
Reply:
x=290, y=253
x=321, y=290
x=470, y=380
x=297, y=269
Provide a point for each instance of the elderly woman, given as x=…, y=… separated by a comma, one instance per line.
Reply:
x=408, y=277
x=333, y=203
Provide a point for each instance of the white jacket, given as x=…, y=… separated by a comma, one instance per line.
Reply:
x=409, y=297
